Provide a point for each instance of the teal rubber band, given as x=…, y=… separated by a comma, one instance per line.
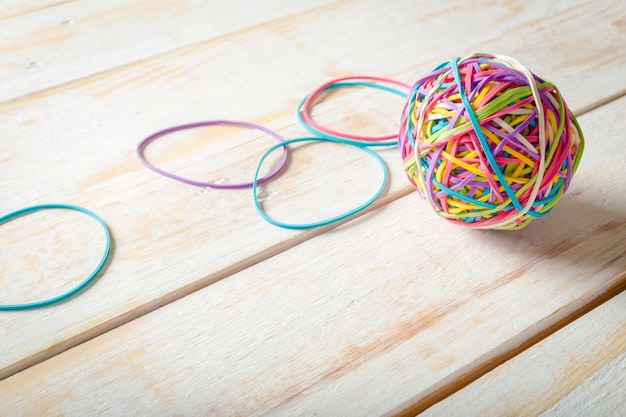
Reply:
x=320, y=133
x=28, y=210
x=481, y=138
x=326, y=222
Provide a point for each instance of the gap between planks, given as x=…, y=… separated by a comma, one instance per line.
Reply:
x=188, y=289
x=179, y=48
x=521, y=343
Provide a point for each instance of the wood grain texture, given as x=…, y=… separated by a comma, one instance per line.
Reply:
x=328, y=320
x=80, y=38
x=58, y=240
x=578, y=365
x=13, y=8
x=603, y=394
x=354, y=321
x=170, y=239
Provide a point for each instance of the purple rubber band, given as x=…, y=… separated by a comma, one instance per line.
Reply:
x=142, y=145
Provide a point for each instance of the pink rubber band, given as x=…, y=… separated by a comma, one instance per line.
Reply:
x=310, y=99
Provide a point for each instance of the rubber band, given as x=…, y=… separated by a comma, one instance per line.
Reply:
x=306, y=105
x=28, y=210
x=481, y=137
x=145, y=142
x=487, y=143
x=333, y=219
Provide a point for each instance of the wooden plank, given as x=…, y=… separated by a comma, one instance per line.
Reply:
x=370, y=318
x=44, y=49
x=13, y=8
x=578, y=371
x=81, y=38
x=170, y=239
x=603, y=394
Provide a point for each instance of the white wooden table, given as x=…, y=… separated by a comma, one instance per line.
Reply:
x=204, y=308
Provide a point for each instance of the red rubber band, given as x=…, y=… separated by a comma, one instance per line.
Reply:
x=308, y=102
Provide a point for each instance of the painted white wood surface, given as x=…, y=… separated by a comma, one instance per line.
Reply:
x=603, y=395
x=355, y=321
x=119, y=107
x=61, y=41
x=81, y=38
x=578, y=371
x=171, y=239
x=13, y=8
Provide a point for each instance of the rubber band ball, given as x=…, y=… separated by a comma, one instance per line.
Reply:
x=487, y=143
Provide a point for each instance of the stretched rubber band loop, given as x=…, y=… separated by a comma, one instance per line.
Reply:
x=305, y=106
x=481, y=137
x=334, y=219
x=145, y=142
x=28, y=210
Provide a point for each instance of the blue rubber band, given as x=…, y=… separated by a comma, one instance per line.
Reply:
x=27, y=210
x=481, y=138
x=317, y=132
x=331, y=220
